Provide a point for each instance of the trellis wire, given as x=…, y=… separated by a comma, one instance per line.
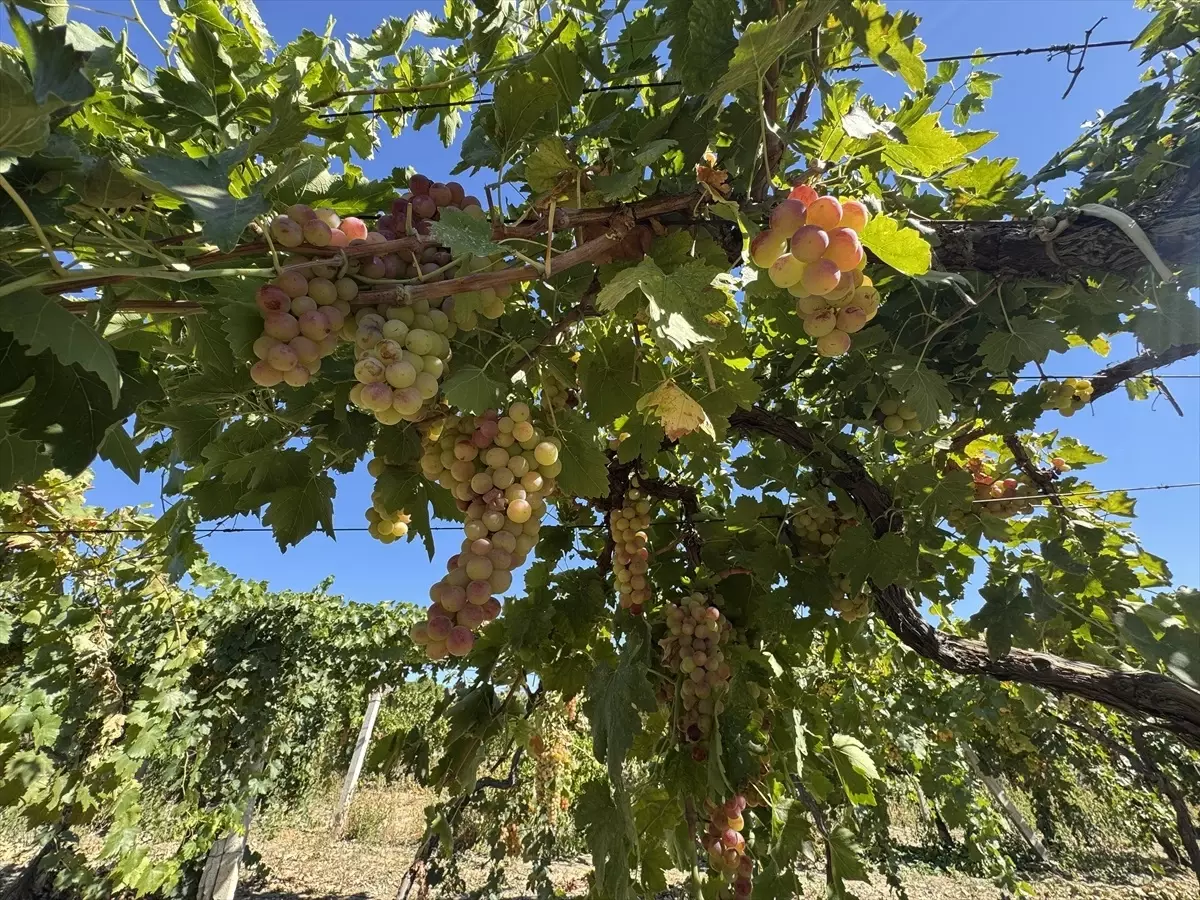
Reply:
x=238, y=529
x=853, y=67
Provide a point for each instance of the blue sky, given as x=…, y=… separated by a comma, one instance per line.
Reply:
x=1146, y=444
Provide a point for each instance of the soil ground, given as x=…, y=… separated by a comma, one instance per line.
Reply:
x=300, y=861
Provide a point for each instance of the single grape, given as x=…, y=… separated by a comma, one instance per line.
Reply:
x=264, y=374
x=317, y=233
x=287, y=231
x=851, y=319
x=845, y=249
x=804, y=193
x=809, y=243
x=292, y=283
x=766, y=247
x=282, y=357
x=824, y=212
x=855, y=215
x=834, y=344
x=271, y=299
x=821, y=277
x=786, y=271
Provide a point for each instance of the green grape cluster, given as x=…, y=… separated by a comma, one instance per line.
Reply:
x=897, y=417
x=1067, y=396
x=850, y=607
x=500, y=469
x=727, y=852
x=631, y=551
x=383, y=523
x=487, y=302
x=400, y=359
x=692, y=649
x=820, y=524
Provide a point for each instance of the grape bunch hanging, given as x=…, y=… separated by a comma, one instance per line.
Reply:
x=850, y=607
x=727, y=853
x=301, y=319
x=820, y=524
x=400, y=358
x=1067, y=396
x=692, y=649
x=631, y=551
x=500, y=470
x=897, y=417
x=812, y=248
x=995, y=496
x=384, y=523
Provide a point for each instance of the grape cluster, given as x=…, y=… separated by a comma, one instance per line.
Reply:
x=897, y=417
x=850, y=608
x=812, y=248
x=631, y=553
x=820, y=524
x=726, y=847
x=301, y=319
x=500, y=469
x=551, y=760
x=321, y=227
x=422, y=203
x=401, y=357
x=1068, y=396
x=384, y=524
x=696, y=631
x=487, y=302
x=557, y=392
x=1007, y=497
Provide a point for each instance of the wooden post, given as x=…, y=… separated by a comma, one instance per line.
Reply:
x=219, y=880
x=356, y=763
x=1001, y=797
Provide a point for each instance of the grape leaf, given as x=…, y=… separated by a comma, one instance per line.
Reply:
x=471, y=389
x=597, y=818
x=584, y=467
x=1025, y=340
x=704, y=43
x=615, y=698
x=898, y=246
x=119, y=449
x=677, y=412
x=886, y=40
x=24, y=124
x=41, y=323
x=298, y=510
x=242, y=324
x=548, y=163
x=927, y=148
x=521, y=101
x=845, y=860
x=54, y=64
x=408, y=491
x=1003, y=614
x=858, y=555
x=464, y=234
x=923, y=389
x=763, y=43
x=21, y=460
x=676, y=302
x=607, y=374
x=1174, y=322
x=203, y=184
x=855, y=769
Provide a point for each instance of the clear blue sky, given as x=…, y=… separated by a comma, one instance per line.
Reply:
x=1145, y=445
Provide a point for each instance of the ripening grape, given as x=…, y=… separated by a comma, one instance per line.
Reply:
x=993, y=495
x=821, y=277
x=806, y=194
x=824, y=212
x=1067, y=396
x=819, y=523
x=835, y=343
x=845, y=249
x=786, y=271
x=820, y=323
x=851, y=319
x=897, y=418
x=787, y=216
x=692, y=649
x=809, y=243
x=501, y=491
x=855, y=215
x=766, y=247
x=631, y=552
x=728, y=856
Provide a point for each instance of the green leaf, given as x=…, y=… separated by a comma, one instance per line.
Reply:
x=41, y=323
x=203, y=184
x=858, y=555
x=298, y=510
x=886, y=38
x=464, y=234
x=677, y=302
x=1003, y=614
x=855, y=769
x=704, y=42
x=1025, y=340
x=898, y=246
x=845, y=858
x=24, y=123
x=763, y=43
x=399, y=489
x=616, y=697
x=584, y=472
x=1175, y=321
x=607, y=374
x=598, y=819
x=923, y=389
x=472, y=390
x=53, y=63
x=927, y=148
x=548, y=163
x=119, y=449
x=21, y=460
x=520, y=102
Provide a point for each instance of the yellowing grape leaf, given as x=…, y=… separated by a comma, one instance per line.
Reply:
x=676, y=410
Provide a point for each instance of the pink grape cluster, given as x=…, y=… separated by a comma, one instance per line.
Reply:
x=422, y=203
x=726, y=847
x=302, y=310
x=812, y=248
x=320, y=227
x=400, y=358
x=696, y=631
x=631, y=552
x=500, y=469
